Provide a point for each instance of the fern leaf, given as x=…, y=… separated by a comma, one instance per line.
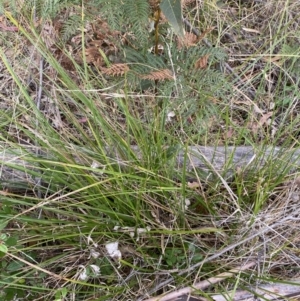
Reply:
x=116, y=70
x=159, y=75
x=70, y=27
x=137, y=12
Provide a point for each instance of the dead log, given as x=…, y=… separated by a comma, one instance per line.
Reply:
x=228, y=158
x=18, y=170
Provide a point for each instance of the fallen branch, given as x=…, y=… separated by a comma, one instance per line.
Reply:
x=201, y=285
x=273, y=291
x=18, y=171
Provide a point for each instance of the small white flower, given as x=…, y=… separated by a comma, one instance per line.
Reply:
x=170, y=115
x=94, y=253
x=100, y=167
x=95, y=164
x=117, y=255
x=90, y=241
x=111, y=247
x=187, y=204
x=140, y=231
x=95, y=269
x=83, y=275
x=113, y=251
x=151, y=26
x=132, y=231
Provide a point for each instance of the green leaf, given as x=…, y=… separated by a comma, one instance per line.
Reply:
x=3, y=224
x=3, y=249
x=12, y=241
x=172, y=11
x=3, y=237
x=14, y=266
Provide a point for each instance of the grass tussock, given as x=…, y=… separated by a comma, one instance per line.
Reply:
x=94, y=203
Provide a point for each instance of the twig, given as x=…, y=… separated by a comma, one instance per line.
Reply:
x=202, y=284
x=273, y=291
x=216, y=255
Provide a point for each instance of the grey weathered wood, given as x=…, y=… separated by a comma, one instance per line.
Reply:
x=222, y=158
x=16, y=171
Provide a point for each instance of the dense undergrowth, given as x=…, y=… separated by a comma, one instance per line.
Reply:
x=93, y=203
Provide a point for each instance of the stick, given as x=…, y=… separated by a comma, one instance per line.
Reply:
x=16, y=171
x=202, y=284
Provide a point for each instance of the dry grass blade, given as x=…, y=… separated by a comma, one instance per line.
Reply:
x=129, y=174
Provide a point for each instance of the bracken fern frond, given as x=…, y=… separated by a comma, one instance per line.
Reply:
x=137, y=13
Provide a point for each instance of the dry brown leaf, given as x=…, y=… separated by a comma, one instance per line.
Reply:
x=154, y=4
x=185, y=3
x=116, y=70
x=275, y=59
x=251, y=30
x=265, y=118
x=202, y=62
x=262, y=121
x=4, y=192
x=205, y=33
x=49, y=34
x=229, y=133
x=193, y=185
x=100, y=37
x=8, y=28
x=164, y=74
x=93, y=55
x=189, y=40
x=4, y=27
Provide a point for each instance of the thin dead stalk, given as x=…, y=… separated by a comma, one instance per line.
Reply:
x=203, y=284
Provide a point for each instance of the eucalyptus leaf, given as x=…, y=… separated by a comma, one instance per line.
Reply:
x=172, y=11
